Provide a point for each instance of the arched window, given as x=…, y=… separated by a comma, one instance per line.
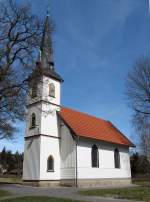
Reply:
x=50, y=164
x=51, y=90
x=33, y=121
x=95, y=156
x=117, y=158
x=34, y=90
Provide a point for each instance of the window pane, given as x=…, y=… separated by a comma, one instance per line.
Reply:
x=95, y=156
x=50, y=164
x=117, y=158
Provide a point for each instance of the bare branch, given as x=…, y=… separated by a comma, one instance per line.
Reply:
x=138, y=93
x=20, y=36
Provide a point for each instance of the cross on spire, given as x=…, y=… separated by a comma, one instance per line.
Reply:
x=48, y=9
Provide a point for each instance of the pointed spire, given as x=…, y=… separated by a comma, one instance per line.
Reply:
x=46, y=45
x=45, y=64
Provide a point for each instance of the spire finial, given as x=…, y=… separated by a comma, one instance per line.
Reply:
x=48, y=8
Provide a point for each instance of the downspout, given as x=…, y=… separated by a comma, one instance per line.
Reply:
x=76, y=174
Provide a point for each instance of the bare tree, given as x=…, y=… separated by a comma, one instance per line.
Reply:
x=138, y=92
x=20, y=34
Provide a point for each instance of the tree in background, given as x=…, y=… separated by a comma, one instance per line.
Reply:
x=139, y=165
x=138, y=92
x=3, y=158
x=19, y=163
x=12, y=163
x=20, y=35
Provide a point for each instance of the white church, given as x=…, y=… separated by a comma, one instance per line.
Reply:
x=64, y=146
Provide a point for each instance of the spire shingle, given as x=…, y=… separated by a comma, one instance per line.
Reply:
x=46, y=45
x=46, y=63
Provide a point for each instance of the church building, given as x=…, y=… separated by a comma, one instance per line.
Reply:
x=64, y=146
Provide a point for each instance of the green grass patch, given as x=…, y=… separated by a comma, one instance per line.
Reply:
x=10, y=180
x=142, y=182
x=38, y=199
x=137, y=193
x=4, y=193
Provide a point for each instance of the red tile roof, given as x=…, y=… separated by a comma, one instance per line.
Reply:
x=85, y=125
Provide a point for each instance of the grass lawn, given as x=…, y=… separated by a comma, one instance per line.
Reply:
x=10, y=179
x=138, y=193
x=38, y=199
x=142, y=182
x=4, y=193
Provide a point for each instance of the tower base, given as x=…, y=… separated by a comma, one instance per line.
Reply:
x=42, y=183
x=80, y=183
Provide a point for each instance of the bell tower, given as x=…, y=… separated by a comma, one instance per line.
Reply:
x=41, y=152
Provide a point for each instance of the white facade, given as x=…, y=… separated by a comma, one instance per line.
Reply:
x=49, y=146
x=106, y=167
x=31, y=164
x=84, y=168
x=42, y=140
x=71, y=153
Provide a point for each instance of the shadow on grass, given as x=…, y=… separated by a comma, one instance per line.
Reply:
x=38, y=199
x=141, y=182
x=4, y=193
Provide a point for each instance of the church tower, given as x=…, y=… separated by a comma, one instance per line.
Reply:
x=42, y=148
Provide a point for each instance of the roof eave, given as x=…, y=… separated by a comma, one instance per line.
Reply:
x=51, y=76
x=129, y=145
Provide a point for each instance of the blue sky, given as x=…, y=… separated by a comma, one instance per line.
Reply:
x=96, y=42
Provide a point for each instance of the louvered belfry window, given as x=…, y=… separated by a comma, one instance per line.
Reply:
x=34, y=90
x=33, y=121
x=51, y=90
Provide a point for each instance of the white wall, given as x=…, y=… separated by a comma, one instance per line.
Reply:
x=46, y=118
x=49, y=120
x=45, y=90
x=31, y=165
x=49, y=146
x=106, y=160
x=37, y=110
x=38, y=149
x=68, y=152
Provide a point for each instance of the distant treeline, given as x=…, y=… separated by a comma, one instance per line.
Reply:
x=11, y=163
x=140, y=165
